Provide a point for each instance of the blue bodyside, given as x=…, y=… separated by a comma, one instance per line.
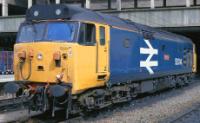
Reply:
x=125, y=61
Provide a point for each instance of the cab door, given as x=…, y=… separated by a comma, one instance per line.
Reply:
x=102, y=38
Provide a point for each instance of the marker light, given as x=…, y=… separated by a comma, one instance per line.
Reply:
x=36, y=13
x=58, y=11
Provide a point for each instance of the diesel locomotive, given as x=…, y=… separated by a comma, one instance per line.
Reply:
x=76, y=59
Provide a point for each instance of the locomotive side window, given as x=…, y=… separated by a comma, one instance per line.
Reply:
x=102, y=35
x=87, y=34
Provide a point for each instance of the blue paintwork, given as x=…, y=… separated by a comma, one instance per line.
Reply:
x=125, y=62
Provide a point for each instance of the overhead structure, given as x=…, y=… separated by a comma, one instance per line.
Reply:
x=22, y=5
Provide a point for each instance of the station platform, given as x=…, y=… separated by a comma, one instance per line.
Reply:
x=6, y=78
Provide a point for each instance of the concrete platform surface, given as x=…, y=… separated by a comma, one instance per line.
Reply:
x=6, y=78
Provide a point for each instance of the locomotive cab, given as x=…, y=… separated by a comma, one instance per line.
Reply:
x=51, y=50
x=41, y=51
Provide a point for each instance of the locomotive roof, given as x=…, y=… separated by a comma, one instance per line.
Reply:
x=62, y=11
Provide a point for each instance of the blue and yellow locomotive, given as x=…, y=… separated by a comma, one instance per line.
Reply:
x=80, y=59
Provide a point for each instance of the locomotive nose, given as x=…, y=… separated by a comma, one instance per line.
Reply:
x=44, y=61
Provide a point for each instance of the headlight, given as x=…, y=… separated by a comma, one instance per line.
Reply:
x=39, y=56
x=59, y=76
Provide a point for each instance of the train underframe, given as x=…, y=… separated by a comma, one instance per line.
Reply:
x=58, y=97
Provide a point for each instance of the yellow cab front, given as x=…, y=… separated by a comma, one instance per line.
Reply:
x=75, y=52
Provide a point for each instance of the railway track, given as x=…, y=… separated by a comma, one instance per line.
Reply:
x=187, y=114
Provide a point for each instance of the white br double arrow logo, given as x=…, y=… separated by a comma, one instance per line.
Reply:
x=148, y=63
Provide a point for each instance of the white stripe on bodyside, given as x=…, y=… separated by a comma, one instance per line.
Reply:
x=151, y=51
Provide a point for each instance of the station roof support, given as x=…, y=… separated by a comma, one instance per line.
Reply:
x=4, y=8
x=164, y=3
x=188, y=3
x=152, y=4
x=87, y=4
x=119, y=5
x=30, y=3
x=135, y=3
x=109, y=4
x=57, y=1
x=195, y=2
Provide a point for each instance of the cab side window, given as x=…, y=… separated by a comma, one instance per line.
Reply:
x=102, y=35
x=87, y=34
